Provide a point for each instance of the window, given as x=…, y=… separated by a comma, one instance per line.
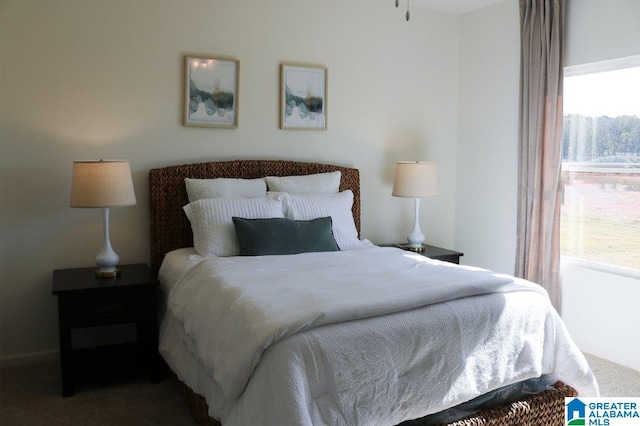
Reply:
x=600, y=215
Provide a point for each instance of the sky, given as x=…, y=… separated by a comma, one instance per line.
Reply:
x=610, y=93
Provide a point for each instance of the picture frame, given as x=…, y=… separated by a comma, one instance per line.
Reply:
x=303, y=96
x=211, y=89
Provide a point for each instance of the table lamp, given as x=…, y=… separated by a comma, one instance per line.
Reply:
x=103, y=184
x=416, y=179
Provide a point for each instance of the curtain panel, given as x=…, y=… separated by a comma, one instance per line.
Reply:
x=540, y=144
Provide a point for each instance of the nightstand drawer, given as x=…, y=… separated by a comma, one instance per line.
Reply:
x=103, y=307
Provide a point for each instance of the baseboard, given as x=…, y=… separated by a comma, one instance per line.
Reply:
x=600, y=351
x=30, y=358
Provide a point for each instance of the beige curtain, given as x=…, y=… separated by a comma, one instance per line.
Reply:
x=540, y=143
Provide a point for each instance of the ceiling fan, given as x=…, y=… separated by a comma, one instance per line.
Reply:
x=408, y=15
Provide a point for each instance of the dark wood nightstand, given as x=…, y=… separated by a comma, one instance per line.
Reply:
x=434, y=252
x=87, y=301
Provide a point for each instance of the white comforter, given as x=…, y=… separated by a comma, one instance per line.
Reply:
x=230, y=311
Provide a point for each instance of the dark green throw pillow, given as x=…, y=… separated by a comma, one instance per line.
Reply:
x=259, y=237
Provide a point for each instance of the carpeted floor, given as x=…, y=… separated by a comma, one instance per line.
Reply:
x=614, y=379
x=31, y=395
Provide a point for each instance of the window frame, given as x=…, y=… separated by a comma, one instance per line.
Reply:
x=617, y=168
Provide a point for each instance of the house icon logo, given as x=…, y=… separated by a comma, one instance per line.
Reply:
x=575, y=412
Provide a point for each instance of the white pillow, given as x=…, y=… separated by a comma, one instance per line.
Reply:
x=338, y=206
x=212, y=226
x=198, y=189
x=319, y=183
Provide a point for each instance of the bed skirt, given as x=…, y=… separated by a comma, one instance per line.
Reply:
x=545, y=408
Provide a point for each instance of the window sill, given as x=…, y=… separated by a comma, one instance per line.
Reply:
x=602, y=267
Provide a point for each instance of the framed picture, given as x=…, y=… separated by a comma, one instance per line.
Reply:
x=303, y=97
x=211, y=91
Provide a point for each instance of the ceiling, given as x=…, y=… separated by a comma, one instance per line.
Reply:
x=450, y=6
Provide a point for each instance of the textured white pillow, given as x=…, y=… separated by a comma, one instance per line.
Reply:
x=212, y=226
x=198, y=189
x=319, y=183
x=338, y=206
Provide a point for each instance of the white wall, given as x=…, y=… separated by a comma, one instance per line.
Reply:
x=486, y=191
x=601, y=30
x=601, y=312
x=103, y=79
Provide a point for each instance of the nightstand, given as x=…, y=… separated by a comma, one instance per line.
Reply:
x=87, y=301
x=434, y=252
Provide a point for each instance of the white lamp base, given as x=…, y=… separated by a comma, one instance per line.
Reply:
x=416, y=237
x=107, y=259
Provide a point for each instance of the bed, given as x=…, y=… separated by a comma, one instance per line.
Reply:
x=334, y=369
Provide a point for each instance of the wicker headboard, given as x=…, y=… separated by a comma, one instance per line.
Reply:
x=170, y=228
